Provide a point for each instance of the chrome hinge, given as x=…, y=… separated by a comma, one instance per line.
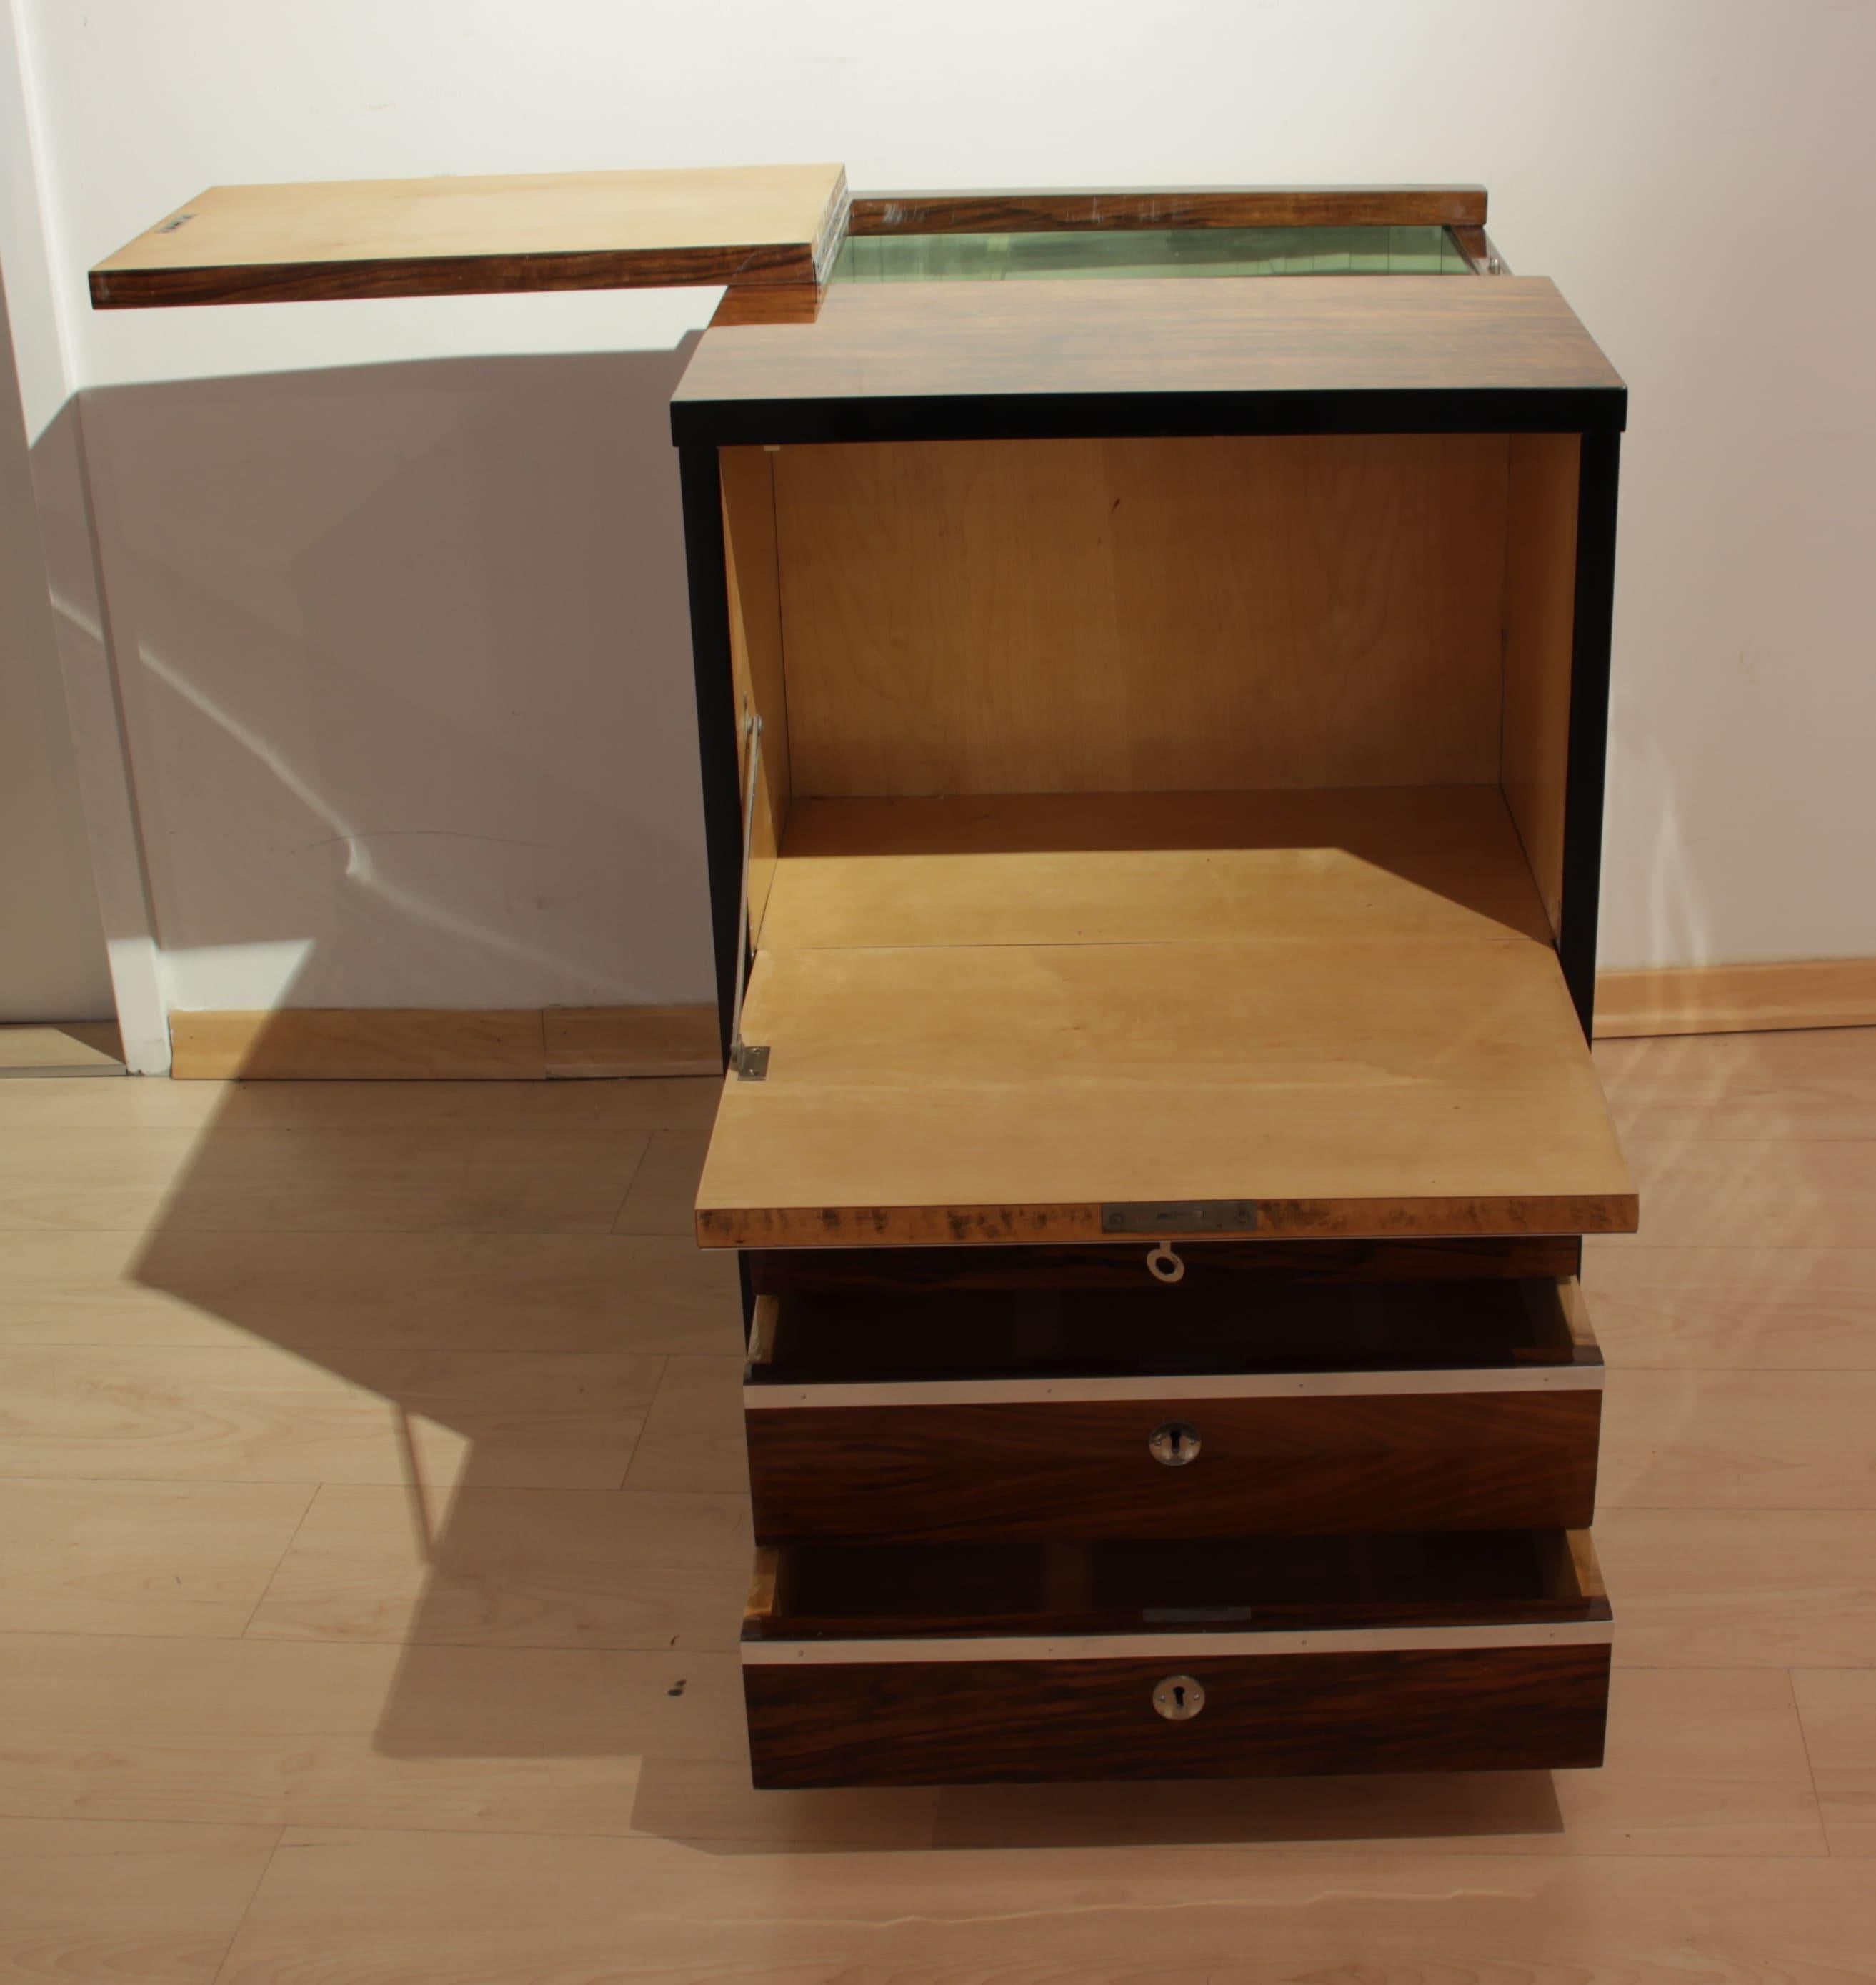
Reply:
x=750, y=1064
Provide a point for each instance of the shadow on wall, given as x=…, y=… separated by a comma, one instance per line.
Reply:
x=403, y=657
x=52, y=963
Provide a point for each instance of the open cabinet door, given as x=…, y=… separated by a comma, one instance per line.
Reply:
x=1056, y=1018
x=771, y=230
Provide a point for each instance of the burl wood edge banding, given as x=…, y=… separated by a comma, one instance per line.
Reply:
x=1282, y=1219
x=1098, y=208
x=786, y=267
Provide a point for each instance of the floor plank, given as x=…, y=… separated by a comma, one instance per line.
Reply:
x=1730, y=1588
x=693, y=1437
x=321, y=1180
x=452, y=1909
x=194, y=1366
x=1698, y=1192
x=674, y=1103
x=1738, y=1309
x=1838, y=1707
x=1744, y=1440
x=515, y=1568
x=1811, y=1084
x=104, y=1900
x=663, y=1198
x=381, y=1291
x=144, y=1557
x=80, y=1049
x=264, y=1732
x=1666, y=1788
x=545, y=1420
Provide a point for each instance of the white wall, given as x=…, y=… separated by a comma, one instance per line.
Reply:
x=394, y=588
x=51, y=945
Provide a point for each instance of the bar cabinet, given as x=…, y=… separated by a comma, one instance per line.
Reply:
x=1152, y=667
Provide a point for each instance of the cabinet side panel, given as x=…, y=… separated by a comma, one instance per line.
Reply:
x=1589, y=696
x=716, y=714
x=1143, y=615
x=755, y=654
x=1540, y=585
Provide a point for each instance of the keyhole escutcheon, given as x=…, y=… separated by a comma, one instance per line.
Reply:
x=1174, y=1443
x=1178, y=1698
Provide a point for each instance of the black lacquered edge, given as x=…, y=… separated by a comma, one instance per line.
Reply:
x=1074, y=416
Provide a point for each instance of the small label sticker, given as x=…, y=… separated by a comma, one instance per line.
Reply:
x=1194, y=1616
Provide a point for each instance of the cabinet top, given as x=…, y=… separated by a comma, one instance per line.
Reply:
x=1299, y=354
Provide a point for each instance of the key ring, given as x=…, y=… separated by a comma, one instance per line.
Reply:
x=1164, y=1265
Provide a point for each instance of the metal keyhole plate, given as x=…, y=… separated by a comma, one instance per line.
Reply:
x=1178, y=1697
x=1173, y=1443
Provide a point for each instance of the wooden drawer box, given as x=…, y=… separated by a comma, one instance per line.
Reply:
x=873, y=1665
x=926, y=1417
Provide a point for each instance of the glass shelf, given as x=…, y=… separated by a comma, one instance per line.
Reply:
x=1150, y=252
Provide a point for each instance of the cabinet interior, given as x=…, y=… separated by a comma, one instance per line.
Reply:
x=1305, y=616
x=1146, y=819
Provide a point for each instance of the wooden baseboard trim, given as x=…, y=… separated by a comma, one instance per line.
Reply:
x=436, y=1044
x=1736, y=998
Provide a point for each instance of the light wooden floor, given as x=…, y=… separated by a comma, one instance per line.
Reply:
x=372, y=1532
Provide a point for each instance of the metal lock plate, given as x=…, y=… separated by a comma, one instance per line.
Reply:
x=1178, y=1698
x=1179, y=1216
x=1174, y=1443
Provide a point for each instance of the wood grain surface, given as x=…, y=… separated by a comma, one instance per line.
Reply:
x=1249, y=356
x=1737, y=999
x=1002, y=1093
x=442, y=1044
x=990, y=1721
x=873, y=1592
x=1082, y=1469
x=1409, y=865
x=1063, y=1331
x=1538, y=620
x=766, y=225
x=1143, y=615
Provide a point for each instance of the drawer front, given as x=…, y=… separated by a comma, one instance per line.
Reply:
x=1061, y=1465
x=1226, y=1266
x=975, y=1718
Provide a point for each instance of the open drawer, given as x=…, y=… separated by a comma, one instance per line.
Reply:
x=958, y=1664
x=1170, y=1413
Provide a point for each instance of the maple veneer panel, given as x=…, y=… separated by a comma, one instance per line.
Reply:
x=1540, y=584
x=1004, y=1093
x=1141, y=615
x=753, y=598
x=1417, y=863
x=463, y=235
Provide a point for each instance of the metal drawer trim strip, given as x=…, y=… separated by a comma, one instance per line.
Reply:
x=1173, y=1386
x=1153, y=1647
